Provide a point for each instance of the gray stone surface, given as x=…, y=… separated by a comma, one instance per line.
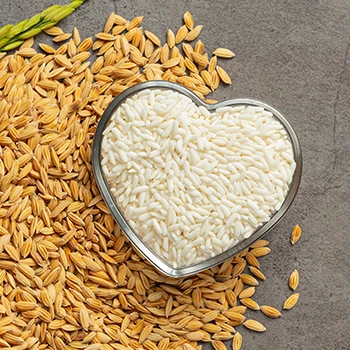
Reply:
x=293, y=55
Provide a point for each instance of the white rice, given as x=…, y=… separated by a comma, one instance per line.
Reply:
x=192, y=183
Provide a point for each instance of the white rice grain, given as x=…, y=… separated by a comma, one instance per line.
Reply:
x=192, y=183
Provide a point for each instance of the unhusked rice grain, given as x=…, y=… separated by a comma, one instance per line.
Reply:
x=192, y=183
x=69, y=279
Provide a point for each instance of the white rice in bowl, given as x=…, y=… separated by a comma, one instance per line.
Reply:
x=193, y=183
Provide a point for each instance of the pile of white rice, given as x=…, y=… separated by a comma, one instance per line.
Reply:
x=192, y=183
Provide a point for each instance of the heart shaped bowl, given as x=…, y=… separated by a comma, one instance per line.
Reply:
x=117, y=213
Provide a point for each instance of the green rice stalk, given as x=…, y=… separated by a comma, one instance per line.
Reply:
x=15, y=30
x=47, y=25
x=12, y=46
x=11, y=36
x=29, y=34
x=3, y=42
x=63, y=14
x=5, y=29
x=75, y=3
x=32, y=22
x=49, y=10
x=50, y=15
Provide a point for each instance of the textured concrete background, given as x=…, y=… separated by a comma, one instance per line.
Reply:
x=293, y=54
